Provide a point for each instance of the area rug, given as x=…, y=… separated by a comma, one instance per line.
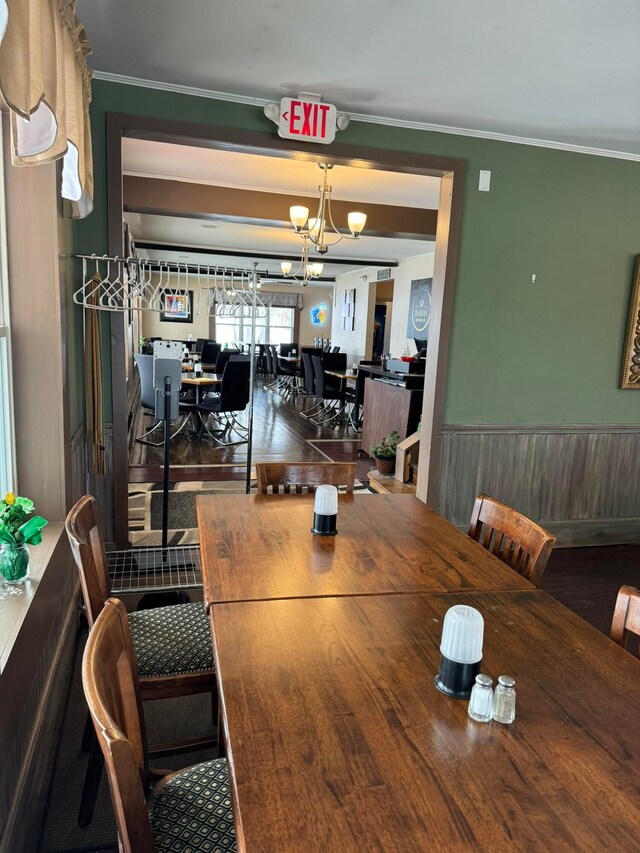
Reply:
x=145, y=509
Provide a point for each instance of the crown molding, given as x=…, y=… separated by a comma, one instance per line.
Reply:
x=372, y=119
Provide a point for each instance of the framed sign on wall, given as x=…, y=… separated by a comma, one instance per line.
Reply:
x=177, y=306
x=319, y=314
x=630, y=377
x=419, y=309
x=349, y=310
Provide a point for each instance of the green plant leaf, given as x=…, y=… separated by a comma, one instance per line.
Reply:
x=30, y=530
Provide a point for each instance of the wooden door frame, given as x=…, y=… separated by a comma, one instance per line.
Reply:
x=450, y=170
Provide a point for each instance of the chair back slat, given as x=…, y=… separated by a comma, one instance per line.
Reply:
x=112, y=692
x=517, y=540
x=626, y=617
x=303, y=476
x=87, y=545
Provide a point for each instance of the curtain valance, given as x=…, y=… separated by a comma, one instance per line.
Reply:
x=46, y=83
x=281, y=300
x=268, y=298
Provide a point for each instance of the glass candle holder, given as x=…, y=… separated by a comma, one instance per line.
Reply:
x=460, y=651
x=325, y=511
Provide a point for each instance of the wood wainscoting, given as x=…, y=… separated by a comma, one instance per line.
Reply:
x=580, y=481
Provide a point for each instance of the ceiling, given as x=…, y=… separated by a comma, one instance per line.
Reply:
x=565, y=72
x=191, y=229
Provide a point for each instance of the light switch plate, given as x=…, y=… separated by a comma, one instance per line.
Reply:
x=484, y=184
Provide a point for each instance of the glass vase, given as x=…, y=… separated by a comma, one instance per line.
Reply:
x=14, y=562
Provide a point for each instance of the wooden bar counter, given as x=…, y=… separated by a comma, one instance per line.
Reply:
x=392, y=402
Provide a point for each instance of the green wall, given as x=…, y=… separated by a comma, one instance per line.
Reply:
x=547, y=353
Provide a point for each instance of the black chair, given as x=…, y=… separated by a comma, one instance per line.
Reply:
x=286, y=373
x=309, y=381
x=329, y=396
x=283, y=375
x=355, y=396
x=223, y=357
x=210, y=352
x=306, y=369
x=268, y=361
x=234, y=396
x=144, y=363
x=286, y=349
x=199, y=344
x=336, y=349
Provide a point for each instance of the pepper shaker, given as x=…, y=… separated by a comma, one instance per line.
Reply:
x=504, y=700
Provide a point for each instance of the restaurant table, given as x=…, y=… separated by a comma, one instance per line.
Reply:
x=338, y=740
x=344, y=376
x=205, y=380
x=261, y=546
x=290, y=359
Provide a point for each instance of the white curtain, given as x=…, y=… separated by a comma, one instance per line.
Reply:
x=46, y=83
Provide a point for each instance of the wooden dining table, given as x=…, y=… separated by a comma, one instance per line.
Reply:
x=261, y=547
x=202, y=381
x=338, y=740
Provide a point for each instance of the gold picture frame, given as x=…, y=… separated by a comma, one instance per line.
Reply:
x=630, y=377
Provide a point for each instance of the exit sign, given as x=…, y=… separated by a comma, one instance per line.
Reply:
x=308, y=121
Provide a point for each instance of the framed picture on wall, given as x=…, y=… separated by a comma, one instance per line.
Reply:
x=349, y=310
x=630, y=377
x=177, y=306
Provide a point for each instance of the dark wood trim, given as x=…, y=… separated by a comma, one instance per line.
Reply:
x=451, y=170
x=211, y=202
x=446, y=264
x=258, y=142
x=118, y=348
x=527, y=429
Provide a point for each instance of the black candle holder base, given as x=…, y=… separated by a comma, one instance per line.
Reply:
x=456, y=679
x=324, y=525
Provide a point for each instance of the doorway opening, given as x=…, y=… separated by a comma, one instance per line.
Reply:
x=122, y=129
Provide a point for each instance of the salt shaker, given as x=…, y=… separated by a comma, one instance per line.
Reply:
x=481, y=701
x=504, y=700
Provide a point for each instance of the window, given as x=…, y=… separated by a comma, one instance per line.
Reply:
x=7, y=454
x=277, y=327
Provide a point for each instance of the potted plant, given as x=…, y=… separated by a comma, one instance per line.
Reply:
x=16, y=533
x=385, y=453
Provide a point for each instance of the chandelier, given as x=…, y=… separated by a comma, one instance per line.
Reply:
x=320, y=230
x=306, y=270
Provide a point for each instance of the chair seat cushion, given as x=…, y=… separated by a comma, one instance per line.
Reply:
x=192, y=812
x=171, y=640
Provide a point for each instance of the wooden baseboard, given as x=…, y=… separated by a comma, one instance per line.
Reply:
x=24, y=824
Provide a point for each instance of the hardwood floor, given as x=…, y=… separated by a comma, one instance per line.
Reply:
x=587, y=580
x=279, y=434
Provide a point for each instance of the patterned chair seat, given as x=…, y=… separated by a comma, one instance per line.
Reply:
x=171, y=640
x=192, y=812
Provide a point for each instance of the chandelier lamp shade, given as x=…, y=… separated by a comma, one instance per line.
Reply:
x=306, y=270
x=320, y=229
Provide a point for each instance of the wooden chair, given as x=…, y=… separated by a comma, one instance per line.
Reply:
x=626, y=616
x=154, y=810
x=511, y=536
x=173, y=646
x=303, y=477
